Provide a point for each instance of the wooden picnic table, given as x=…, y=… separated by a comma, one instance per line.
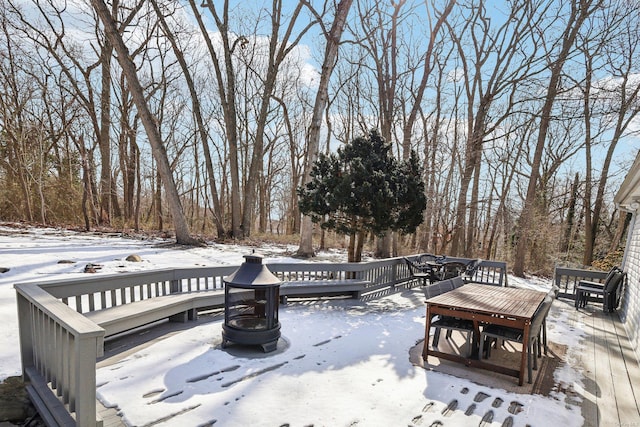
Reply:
x=484, y=305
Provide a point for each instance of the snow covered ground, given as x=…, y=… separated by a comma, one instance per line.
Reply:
x=344, y=363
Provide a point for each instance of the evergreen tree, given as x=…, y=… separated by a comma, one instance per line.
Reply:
x=364, y=189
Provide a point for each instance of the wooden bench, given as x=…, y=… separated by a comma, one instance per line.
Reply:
x=183, y=307
x=179, y=307
x=326, y=287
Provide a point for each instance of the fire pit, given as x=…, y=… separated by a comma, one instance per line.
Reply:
x=251, y=306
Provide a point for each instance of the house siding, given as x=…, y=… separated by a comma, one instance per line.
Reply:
x=630, y=304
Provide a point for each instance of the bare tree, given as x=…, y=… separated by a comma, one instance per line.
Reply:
x=494, y=67
x=313, y=145
x=577, y=16
x=280, y=44
x=295, y=104
x=429, y=62
x=380, y=40
x=200, y=123
x=48, y=35
x=617, y=103
x=226, y=85
x=279, y=47
x=16, y=90
x=503, y=165
x=148, y=121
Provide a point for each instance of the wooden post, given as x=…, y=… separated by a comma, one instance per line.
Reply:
x=85, y=380
x=25, y=329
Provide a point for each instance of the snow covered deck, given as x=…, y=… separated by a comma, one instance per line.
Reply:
x=598, y=384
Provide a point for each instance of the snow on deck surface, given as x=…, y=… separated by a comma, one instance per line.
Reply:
x=339, y=363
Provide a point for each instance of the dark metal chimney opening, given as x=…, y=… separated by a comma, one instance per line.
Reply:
x=251, y=301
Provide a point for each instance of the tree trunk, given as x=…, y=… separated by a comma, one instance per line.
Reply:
x=624, y=219
x=589, y=238
x=126, y=153
x=359, y=245
x=227, y=92
x=138, y=190
x=148, y=121
x=313, y=146
x=202, y=129
x=104, y=140
x=383, y=245
x=472, y=160
x=351, y=249
x=278, y=51
x=621, y=125
x=157, y=203
x=293, y=212
x=571, y=213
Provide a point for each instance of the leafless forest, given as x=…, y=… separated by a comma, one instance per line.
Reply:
x=202, y=118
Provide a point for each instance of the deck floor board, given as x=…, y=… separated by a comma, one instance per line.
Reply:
x=624, y=369
x=610, y=368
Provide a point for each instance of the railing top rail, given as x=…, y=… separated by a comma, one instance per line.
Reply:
x=337, y=266
x=193, y=272
x=583, y=272
x=68, y=287
x=491, y=263
x=72, y=321
x=73, y=286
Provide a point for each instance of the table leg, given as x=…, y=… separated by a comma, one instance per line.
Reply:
x=525, y=350
x=425, y=348
x=476, y=345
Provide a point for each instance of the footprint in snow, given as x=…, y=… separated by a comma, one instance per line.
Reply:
x=508, y=422
x=470, y=410
x=153, y=393
x=487, y=419
x=451, y=407
x=480, y=397
x=163, y=398
x=515, y=407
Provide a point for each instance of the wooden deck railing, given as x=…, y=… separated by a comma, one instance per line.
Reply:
x=59, y=345
x=567, y=279
x=103, y=291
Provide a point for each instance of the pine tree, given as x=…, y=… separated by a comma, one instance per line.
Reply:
x=363, y=188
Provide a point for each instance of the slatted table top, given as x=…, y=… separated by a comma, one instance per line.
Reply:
x=492, y=300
